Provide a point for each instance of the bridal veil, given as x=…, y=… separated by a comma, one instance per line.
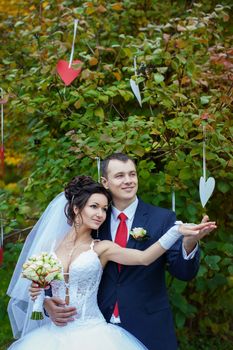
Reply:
x=45, y=235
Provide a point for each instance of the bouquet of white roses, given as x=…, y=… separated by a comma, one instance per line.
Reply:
x=41, y=269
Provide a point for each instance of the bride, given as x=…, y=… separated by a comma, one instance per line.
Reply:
x=83, y=259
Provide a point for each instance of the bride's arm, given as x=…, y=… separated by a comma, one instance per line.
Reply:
x=128, y=256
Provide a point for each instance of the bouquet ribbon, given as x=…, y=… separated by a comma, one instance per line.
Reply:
x=37, y=309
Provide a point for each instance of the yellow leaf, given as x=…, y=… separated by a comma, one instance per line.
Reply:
x=127, y=52
x=185, y=80
x=78, y=103
x=117, y=6
x=45, y=4
x=12, y=187
x=30, y=109
x=180, y=43
x=93, y=61
x=99, y=112
x=90, y=10
x=85, y=74
x=117, y=75
x=101, y=9
x=89, y=4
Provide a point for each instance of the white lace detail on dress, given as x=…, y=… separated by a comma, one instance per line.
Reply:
x=84, y=277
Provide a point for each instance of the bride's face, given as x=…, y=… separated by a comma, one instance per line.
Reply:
x=95, y=211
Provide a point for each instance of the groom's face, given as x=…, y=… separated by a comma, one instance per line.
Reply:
x=121, y=180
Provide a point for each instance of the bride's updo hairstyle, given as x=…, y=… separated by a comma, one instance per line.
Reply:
x=78, y=191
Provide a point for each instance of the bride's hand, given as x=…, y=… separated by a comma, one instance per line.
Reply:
x=34, y=290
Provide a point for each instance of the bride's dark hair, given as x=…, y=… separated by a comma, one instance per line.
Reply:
x=78, y=191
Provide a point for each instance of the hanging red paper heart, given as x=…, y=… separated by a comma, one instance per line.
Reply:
x=68, y=74
x=1, y=255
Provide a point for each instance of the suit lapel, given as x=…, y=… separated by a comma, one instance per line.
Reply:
x=140, y=219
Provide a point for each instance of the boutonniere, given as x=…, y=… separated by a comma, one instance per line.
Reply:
x=139, y=234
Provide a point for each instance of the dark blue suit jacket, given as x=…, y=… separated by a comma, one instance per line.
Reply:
x=141, y=290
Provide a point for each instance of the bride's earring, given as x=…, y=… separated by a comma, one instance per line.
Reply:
x=76, y=223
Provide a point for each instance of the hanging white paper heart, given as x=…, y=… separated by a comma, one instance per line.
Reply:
x=136, y=91
x=206, y=189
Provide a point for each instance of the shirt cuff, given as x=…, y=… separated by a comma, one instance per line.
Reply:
x=191, y=255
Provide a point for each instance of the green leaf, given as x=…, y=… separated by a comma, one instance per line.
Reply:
x=158, y=78
x=212, y=261
x=202, y=271
x=180, y=320
x=185, y=174
x=99, y=112
x=103, y=98
x=223, y=186
x=181, y=58
x=181, y=96
x=205, y=99
x=192, y=210
x=227, y=248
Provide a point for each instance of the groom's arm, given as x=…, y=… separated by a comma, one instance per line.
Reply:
x=184, y=267
x=59, y=312
x=55, y=308
x=177, y=263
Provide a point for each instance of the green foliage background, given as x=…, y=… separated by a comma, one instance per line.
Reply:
x=52, y=132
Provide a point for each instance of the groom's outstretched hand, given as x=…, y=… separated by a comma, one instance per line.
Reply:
x=56, y=308
x=190, y=242
x=58, y=311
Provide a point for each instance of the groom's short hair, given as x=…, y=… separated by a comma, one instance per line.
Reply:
x=115, y=156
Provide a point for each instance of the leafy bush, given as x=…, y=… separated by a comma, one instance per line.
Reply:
x=53, y=132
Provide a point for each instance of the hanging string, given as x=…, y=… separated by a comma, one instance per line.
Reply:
x=2, y=135
x=173, y=200
x=134, y=85
x=98, y=167
x=135, y=65
x=206, y=186
x=204, y=152
x=74, y=37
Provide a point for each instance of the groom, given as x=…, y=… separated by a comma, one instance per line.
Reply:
x=135, y=297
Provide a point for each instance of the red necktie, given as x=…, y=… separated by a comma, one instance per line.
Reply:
x=121, y=239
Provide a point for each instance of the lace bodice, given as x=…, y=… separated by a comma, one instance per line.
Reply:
x=84, y=277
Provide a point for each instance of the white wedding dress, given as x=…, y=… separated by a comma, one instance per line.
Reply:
x=89, y=330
